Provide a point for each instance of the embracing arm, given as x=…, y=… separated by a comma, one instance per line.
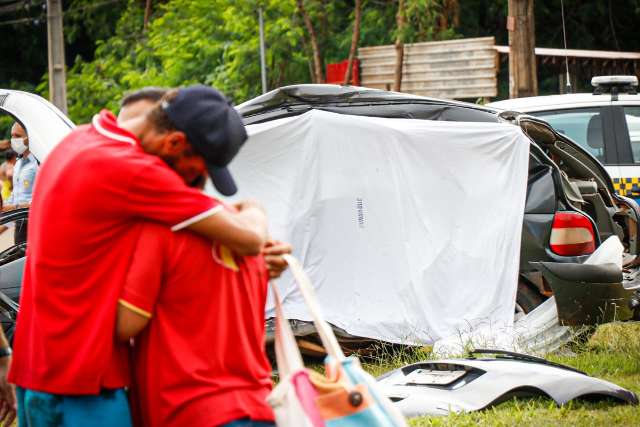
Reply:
x=244, y=231
x=143, y=281
x=130, y=322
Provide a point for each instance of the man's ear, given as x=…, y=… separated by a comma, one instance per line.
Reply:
x=175, y=142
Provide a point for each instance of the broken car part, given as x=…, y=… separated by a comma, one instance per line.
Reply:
x=438, y=387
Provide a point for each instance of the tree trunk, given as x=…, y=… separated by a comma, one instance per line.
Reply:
x=318, y=75
x=397, y=81
x=449, y=15
x=147, y=15
x=354, y=42
x=454, y=10
x=523, y=80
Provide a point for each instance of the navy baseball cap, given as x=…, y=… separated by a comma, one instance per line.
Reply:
x=213, y=127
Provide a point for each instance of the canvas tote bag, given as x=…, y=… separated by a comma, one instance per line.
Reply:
x=345, y=396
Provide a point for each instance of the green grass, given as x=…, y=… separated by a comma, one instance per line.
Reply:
x=612, y=353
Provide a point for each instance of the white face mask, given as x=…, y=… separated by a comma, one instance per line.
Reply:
x=18, y=145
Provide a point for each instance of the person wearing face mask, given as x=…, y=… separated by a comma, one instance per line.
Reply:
x=25, y=169
x=24, y=176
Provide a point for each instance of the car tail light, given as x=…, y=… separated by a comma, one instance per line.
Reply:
x=572, y=234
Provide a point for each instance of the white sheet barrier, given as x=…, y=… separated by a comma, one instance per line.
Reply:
x=409, y=229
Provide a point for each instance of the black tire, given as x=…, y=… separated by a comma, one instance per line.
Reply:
x=528, y=297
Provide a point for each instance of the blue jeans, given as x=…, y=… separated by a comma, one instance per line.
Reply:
x=246, y=422
x=110, y=408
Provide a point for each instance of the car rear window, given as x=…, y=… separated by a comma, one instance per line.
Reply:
x=583, y=125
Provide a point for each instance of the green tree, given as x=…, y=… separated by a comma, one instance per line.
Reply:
x=210, y=42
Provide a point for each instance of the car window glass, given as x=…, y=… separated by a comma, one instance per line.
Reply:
x=7, y=236
x=583, y=125
x=632, y=116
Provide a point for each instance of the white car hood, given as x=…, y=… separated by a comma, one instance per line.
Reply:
x=45, y=124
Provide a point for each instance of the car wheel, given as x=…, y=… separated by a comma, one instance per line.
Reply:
x=527, y=299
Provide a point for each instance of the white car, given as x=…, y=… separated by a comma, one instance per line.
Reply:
x=606, y=123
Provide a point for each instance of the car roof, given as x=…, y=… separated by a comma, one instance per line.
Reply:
x=297, y=99
x=552, y=102
x=533, y=103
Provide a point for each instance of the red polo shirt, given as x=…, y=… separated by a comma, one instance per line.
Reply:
x=201, y=361
x=90, y=194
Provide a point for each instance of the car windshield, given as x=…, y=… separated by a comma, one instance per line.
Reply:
x=583, y=125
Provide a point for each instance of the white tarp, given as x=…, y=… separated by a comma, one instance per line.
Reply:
x=408, y=229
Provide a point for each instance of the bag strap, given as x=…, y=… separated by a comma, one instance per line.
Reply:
x=288, y=356
x=327, y=336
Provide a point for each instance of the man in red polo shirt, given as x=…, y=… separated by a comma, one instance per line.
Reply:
x=201, y=360
x=91, y=194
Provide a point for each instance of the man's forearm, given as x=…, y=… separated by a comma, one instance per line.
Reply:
x=255, y=219
x=244, y=232
x=3, y=340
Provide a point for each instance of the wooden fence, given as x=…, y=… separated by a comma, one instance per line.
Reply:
x=454, y=69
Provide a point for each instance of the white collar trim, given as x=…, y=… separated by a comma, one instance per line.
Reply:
x=104, y=132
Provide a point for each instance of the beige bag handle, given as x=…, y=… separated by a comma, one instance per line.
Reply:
x=288, y=356
x=327, y=336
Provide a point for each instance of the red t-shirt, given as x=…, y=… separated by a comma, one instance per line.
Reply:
x=201, y=361
x=90, y=195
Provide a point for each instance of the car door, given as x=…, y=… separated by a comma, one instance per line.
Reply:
x=592, y=127
x=626, y=126
x=12, y=259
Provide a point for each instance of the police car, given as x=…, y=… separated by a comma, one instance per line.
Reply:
x=606, y=123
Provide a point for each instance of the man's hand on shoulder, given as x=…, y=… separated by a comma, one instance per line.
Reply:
x=273, y=252
x=242, y=227
x=248, y=204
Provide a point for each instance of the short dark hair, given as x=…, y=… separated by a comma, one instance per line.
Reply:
x=158, y=116
x=153, y=94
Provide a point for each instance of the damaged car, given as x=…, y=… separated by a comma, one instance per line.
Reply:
x=571, y=207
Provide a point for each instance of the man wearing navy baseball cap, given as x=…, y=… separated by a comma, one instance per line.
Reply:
x=162, y=303
x=115, y=179
x=211, y=125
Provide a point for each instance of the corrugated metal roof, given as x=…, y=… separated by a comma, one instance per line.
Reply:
x=577, y=53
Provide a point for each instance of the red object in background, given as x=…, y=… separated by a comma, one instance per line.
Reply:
x=336, y=72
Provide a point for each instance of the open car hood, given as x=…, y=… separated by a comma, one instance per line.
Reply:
x=438, y=387
x=45, y=124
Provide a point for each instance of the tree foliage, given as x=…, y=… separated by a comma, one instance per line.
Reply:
x=216, y=42
x=211, y=42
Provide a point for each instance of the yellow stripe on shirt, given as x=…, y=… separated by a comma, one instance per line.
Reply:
x=135, y=309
